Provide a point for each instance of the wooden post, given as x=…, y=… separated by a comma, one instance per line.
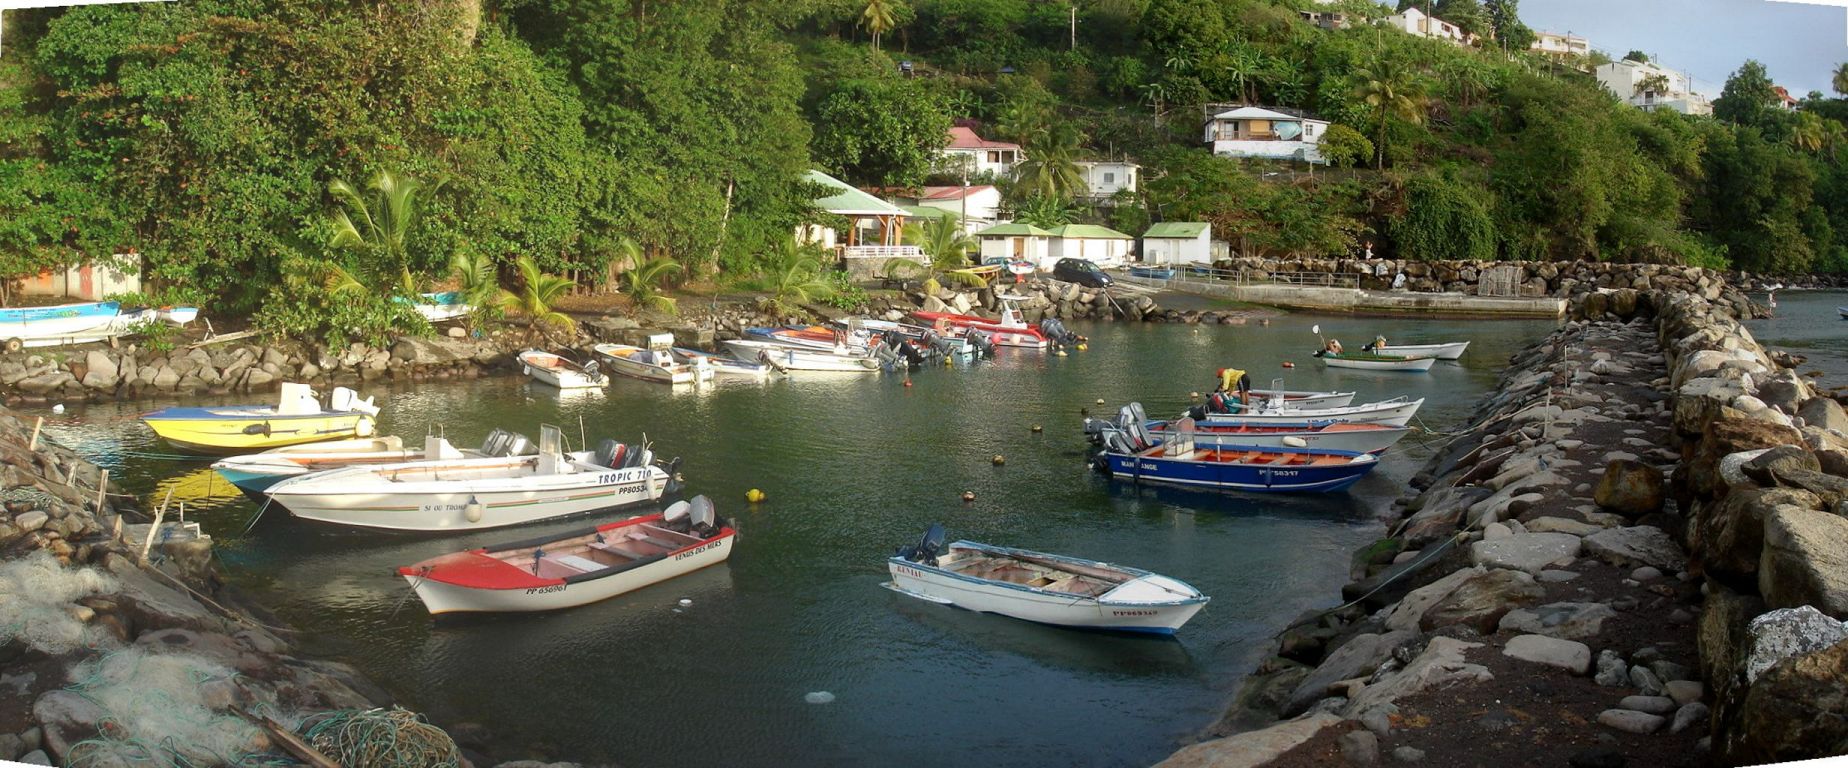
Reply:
x=33, y=444
x=147, y=544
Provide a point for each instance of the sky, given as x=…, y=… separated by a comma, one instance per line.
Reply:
x=1800, y=45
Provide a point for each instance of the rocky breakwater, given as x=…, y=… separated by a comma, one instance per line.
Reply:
x=1765, y=482
x=1533, y=279
x=108, y=658
x=1531, y=604
x=1042, y=298
x=101, y=373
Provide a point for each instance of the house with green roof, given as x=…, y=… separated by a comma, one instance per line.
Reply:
x=1099, y=245
x=877, y=229
x=1018, y=241
x=1178, y=243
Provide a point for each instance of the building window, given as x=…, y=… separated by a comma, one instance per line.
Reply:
x=1109, y=178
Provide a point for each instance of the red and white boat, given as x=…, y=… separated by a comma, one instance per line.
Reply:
x=580, y=568
x=1012, y=330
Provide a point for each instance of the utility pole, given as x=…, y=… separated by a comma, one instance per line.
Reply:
x=1074, y=26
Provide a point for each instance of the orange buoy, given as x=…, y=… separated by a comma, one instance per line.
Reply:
x=1288, y=364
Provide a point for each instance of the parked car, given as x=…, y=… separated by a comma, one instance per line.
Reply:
x=1081, y=272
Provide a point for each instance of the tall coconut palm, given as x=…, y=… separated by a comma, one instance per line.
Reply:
x=1840, y=79
x=375, y=229
x=1391, y=91
x=879, y=17
x=1807, y=133
x=538, y=297
x=1051, y=166
x=1834, y=137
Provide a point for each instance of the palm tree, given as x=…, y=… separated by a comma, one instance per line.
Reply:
x=1468, y=79
x=538, y=294
x=943, y=240
x=879, y=17
x=475, y=279
x=375, y=229
x=1391, y=91
x=1156, y=93
x=1806, y=134
x=1243, y=65
x=793, y=276
x=1834, y=137
x=1840, y=80
x=1045, y=212
x=642, y=277
x=1051, y=164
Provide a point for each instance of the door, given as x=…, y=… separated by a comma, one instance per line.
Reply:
x=1020, y=248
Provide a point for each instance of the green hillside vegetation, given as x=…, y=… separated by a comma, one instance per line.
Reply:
x=592, y=134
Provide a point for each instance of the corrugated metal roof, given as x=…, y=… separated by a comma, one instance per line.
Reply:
x=1015, y=229
x=1180, y=229
x=1091, y=231
x=847, y=201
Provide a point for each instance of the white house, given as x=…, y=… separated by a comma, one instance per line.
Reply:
x=1019, y=241
x=1102, y=246
x=1648, y=86
x=1178, y=243
x=1103, y=178
x=979, y=155
x=1267, y=133
x=1560, y=46
x=1414, y=22
x=979, y=205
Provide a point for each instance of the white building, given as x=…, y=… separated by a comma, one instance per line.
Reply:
x=88, y=281
x=1414, y=22
x=979, y=205
x=1260, y=132
x=1103, y=178
x=979, y=155
x=1650, y=86
x=1178, y=243
x=1560, y=46
x=1017, y=241
x=1099, y=245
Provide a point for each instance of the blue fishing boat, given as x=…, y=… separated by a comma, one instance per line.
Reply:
x=37, y=326
x=1237, y=468
x=1151, y=272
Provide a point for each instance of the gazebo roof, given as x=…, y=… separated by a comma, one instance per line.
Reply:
x=847, y=201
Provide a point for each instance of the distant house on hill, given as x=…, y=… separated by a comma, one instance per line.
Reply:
x=1018, y=241
x=1785, y=101
x=1560, y=46
x=1414, y=22
x=1102, y=246
x=1649, y=86
x=1266, y=133
x=1324, y=16
x=1178, y=243
x=1103, y=178
x=975, y=154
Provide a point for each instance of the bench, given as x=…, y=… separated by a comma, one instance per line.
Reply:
x=581, y=564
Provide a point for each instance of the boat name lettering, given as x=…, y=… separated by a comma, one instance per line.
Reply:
x=546, y=590
x=696, y=550
x=910, y=571
x=442, y=507
x=1146, y=465
x=1132, y=613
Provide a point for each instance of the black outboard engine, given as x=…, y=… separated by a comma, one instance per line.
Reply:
x=611, y=453
x=984, y=344
x=1197, y=413
x=927, y=548
x=912, y=356
x=1054, y=329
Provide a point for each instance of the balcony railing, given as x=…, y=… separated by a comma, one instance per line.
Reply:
x=882, y=252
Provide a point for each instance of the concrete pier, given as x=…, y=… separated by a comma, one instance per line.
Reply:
x=1334, y=299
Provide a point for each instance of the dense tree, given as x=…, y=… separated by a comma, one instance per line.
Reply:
x=1747, y=97
x=881, y=131
x=1838, y=80
x=1637, y=56
x=1505, y=20
x=1468, y=15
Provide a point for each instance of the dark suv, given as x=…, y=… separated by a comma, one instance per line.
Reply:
x=1081, y=272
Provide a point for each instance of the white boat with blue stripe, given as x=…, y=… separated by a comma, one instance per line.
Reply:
x=1038, y=587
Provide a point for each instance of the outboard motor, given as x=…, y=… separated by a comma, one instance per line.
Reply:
x=1094, y=429
x=983, y=343
x=706, y=521
x=518, y=445
x=911, y=355
x=496, y=442
x=927, y=548
x=611, y=453
x=1197, y=413
x=678, y=516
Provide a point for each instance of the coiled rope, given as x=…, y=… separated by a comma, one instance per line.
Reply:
x=380, y=738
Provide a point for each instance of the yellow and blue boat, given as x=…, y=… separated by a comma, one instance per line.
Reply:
x=296, y=419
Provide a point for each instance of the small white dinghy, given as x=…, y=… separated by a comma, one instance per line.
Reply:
x=655, y=363
x=1452, y=351
x=575, y=569
x=1367, y=362
x=547, y=368
x=1396, y=412
x=724, y=366
x=1043, y=588
x=453, y=493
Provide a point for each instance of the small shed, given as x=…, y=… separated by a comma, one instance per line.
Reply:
x=1017, y=240
x=1178, y=243
x=1102, y=246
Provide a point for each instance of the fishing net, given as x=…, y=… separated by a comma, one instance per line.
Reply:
x=380, y=738
x=36, y=594
x=155, y=713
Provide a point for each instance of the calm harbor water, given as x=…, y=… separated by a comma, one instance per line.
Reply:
x=1807, y=323
x=853, y=468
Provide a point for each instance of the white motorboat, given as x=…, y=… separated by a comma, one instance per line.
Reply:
x=1396, y=412
x=1453, y=351
x=722, y=365
x=450, y=492
x=787, y=359
x=1370, y=362
x=1306, y=398
x=547, y=368
x=256, y=472
x=655, y=363
x=575, y=569
x=1049, y=589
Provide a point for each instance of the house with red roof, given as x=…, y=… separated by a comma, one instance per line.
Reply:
x=977, y=155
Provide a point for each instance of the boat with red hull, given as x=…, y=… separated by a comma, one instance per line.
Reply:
x=1012, y=330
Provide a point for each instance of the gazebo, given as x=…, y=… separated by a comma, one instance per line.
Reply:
x=887, y=220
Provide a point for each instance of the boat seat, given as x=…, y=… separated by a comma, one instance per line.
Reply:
x=662, y=543
x=580, y=563
x=1070, y=584
x=612, y=549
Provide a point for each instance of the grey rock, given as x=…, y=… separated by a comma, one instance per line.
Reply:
x=1825, y=413
x=1630, y=721
x=1684, y=692
x=1377, y=721
x=31, y=521
x=1562, y=525
x=1568, y=655
x=1655, y=705
x=1636, y=546
x=1645, y=681
x=1360, y=747
x=1554, y=576
x=1646, y=574
x=1612, y=671
x=1805, y=561
x=1530, y=552
x=1568, y=621
x=1688, y=716
x=1408, y=755
x=1666, y=670
x=1767, y=467
x=1786, y=633
x=36, y=757
x=1358, y=657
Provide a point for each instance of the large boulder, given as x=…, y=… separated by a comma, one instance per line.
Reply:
x=1440, y=514
x=1569, y=655
x=1783, y=460
x=1630, y=488
x=1729, y=535
x=1786, y=633
x=1636, y=546
x=1530, y=552
x=1441, y=664
x=1411, y=609
x=1805, y=561
x=1825, y=413
x=1784, y=391
x=1482, y=602
x=1725, y=437
x=1795, y=711
x=1567, y=621
x=1252, y=748
x=1358, y=657
x=1830, y=488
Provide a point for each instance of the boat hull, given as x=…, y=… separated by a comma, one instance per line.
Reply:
x=1323, y=437
x=1440, y=351
x=222, y=430
x=534, y=365
x=1001, y=335
x=41, y=326
x=443, y=598
x=1240, y=477
x=1029, y=604
x=445, y=506
x=1304, y=399
x=1390, y=414
x=660, y=374
x=785, y=358
x=1413, y=364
